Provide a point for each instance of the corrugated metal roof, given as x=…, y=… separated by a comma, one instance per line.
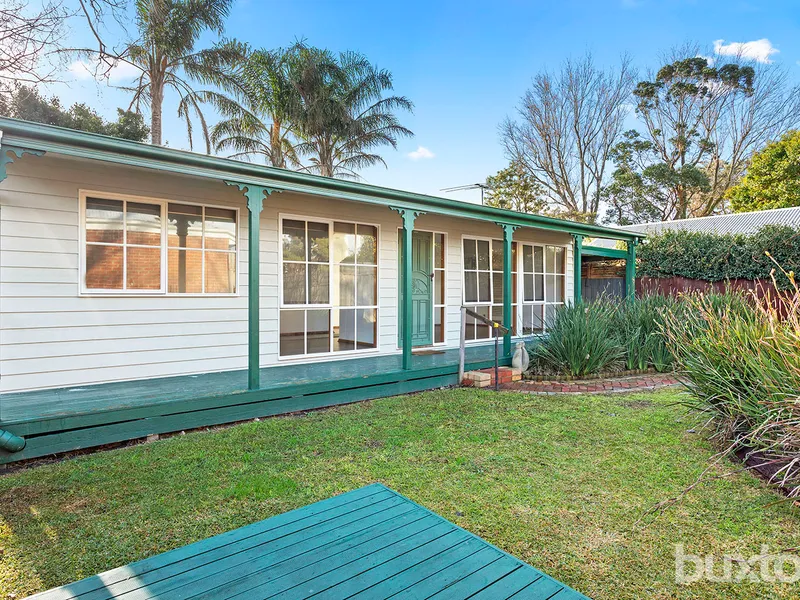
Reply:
x=746, y=222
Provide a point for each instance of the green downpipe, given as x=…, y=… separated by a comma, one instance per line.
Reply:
x=10, y=442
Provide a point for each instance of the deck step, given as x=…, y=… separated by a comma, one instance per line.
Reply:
x=485, y=377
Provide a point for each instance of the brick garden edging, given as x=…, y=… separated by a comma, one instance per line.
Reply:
x=608, y=375
x=596, y=386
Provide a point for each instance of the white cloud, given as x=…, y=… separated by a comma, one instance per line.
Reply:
x=420, y=153
x=121, y=71
x=709, y=59
x=758, y=50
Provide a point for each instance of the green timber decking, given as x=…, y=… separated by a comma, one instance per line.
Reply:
x=371, y=543
x=64, y=419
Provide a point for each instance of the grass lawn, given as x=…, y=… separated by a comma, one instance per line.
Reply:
x=557, y=481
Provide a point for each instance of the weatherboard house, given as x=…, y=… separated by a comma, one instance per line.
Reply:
x=146, y=290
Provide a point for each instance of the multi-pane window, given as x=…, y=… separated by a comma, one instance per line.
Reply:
x=483, y=283
x=355, y=286
x=131, y=247
x=329, y=282
x=543, y=284
x=201, y=254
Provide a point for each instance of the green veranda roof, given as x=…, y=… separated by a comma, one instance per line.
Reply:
x=92, y=146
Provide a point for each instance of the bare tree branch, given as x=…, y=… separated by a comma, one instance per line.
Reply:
x=567, y=124
x=25, y=38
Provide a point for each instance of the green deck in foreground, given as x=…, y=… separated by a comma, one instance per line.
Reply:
x=371, y=543
x=65, y=419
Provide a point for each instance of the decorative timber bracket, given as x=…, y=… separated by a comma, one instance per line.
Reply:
x=255, y=194
x=508, y=229
x=409, y=215
x=8, y=154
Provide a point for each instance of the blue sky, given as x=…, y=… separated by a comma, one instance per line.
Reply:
x=465, y=64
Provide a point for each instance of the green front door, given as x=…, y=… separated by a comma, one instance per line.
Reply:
x=421, y=289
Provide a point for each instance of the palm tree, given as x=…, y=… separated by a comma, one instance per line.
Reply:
x=261, y=125
x=343, y=116
x=166, y=56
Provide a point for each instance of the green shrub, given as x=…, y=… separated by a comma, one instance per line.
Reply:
x=581, y=340
x=605, y=335
x=713, y=257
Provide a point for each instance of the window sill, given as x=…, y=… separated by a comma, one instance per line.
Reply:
x=327, y=356
x=152, y=295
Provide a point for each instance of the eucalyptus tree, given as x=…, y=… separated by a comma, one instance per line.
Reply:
x=703, y=118
x=344, y=114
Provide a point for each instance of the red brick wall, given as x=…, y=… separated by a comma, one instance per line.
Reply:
x=103, y=267
x=104, y=264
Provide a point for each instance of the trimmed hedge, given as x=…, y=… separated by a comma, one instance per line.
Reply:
x=714, y=257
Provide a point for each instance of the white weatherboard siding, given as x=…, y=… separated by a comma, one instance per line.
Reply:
x=50, y=336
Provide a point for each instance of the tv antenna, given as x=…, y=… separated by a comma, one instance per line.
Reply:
x=472, y=186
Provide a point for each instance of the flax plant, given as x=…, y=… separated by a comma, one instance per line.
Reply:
x=741, y=361
x=581, y=340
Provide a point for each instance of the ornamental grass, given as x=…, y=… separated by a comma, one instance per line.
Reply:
x=606, y=336
x=740, y=357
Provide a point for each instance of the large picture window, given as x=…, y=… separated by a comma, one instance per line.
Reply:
x=543, y=285
x=134, y=245
x=329, y=283
x=483, y=284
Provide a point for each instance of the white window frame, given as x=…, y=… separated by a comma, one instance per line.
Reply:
x=434, y=306
x=515, y=299
x=163, y=203
x=305, y=357
x=521, y=284
x=443, y=305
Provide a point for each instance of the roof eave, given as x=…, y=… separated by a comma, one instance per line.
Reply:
x=58, y=140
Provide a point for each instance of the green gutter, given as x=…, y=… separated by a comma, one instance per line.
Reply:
x=59, y=140
x=613, y=253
